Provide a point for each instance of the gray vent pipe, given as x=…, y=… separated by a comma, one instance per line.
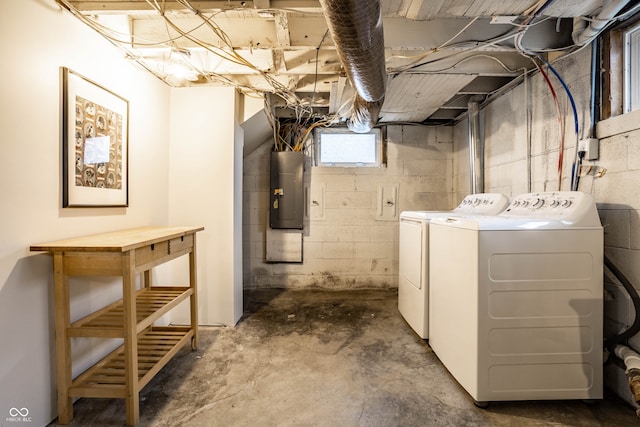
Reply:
x=356, y=28
x=476, y=148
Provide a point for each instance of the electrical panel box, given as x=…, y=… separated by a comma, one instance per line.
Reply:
x=287, y=190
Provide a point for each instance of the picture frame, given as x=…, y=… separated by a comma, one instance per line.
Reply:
x=95, y=144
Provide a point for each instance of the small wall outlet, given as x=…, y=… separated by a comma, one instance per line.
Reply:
x=590, y=148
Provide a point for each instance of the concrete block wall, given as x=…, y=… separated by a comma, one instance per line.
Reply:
x=507, y=130
x=618, y=196
x=349, y=248
x=617, y=192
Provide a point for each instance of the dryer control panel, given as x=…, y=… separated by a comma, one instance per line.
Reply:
x=573, y=206
x=482, y=204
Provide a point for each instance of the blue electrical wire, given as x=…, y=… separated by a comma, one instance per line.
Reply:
x=566, y=89
x=575, y=172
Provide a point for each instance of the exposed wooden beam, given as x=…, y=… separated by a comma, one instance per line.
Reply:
x=278, y=61
x=611, y=73
x=282, y=29
x=142, y=6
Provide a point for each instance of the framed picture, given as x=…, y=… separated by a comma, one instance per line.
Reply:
x=95, y=123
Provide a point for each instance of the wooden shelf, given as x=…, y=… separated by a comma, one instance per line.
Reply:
x=146, y=348
x=151, y=304
x=156, y=346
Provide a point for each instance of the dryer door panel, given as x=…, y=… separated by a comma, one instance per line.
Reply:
x=411, y=251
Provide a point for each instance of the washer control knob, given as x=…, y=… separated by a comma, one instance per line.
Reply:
x=538, y=204
x=555, y=203
x=565, y=203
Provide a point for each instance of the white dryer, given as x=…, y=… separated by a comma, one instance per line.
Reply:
x=517, y=299
x=413, y=280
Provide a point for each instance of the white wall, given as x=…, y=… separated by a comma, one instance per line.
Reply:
x=616, y=192
x=37, y=38
x=205, y=190
x=350, y=248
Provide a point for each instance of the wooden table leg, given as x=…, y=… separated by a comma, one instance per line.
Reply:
x=147, y=279
x=63, y=342
x=194, y=296
x=132, y=402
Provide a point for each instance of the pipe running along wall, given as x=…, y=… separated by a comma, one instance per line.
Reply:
x=356, y=28
x=476, y=148
x=631, y=361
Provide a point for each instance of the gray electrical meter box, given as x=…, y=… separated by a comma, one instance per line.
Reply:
x=287, y=200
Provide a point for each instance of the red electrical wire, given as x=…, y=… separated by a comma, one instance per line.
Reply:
x=560, y=122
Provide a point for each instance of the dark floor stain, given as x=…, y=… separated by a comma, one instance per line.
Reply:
x=326, y=319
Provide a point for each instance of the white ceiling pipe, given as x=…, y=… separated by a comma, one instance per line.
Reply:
x=608, y=12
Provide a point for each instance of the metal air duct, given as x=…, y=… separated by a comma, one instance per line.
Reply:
x=356, y=28
x=476, y=148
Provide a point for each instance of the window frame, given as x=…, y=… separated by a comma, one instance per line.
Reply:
x=612, y=67
x=631, y=68
x=380, y=160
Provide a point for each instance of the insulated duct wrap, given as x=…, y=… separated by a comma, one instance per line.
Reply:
x=356, y=28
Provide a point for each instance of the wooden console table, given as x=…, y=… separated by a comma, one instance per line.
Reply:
x=147, y=348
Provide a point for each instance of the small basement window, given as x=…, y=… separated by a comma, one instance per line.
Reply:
x=339, y=147
x=632, y=69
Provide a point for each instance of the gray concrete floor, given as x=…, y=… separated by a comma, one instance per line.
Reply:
x=312, y=358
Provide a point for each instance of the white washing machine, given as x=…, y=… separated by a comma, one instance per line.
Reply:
x=517, y=299
x=413, y=280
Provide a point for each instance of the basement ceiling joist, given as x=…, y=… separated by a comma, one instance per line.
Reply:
x=434, y=9
x=206, y=6
x=410, y=9
x=438, y=52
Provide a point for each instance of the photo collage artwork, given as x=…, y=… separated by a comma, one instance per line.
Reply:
x=98, y=146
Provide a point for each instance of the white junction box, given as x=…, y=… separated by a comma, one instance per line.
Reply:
x=503, y=19
x=590, y=148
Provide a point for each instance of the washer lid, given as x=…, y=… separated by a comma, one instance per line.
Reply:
x=573, y=208
x=472, y=204
x=502, y=223
x=537, y=211
x=424, y=215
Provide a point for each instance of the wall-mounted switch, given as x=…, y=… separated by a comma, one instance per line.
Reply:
x=314, y=201
x=387, y=203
